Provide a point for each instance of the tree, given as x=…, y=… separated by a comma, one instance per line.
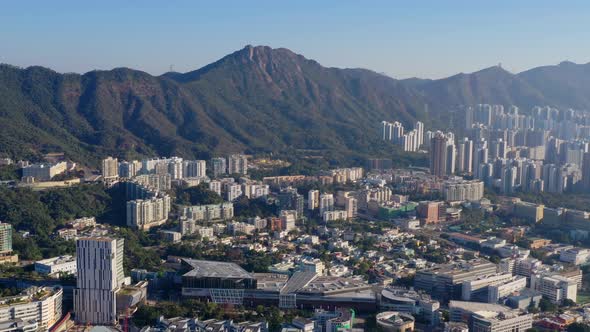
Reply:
x=407, y=281
x=547, y=306
x=145, y=316
x=568, y=303
x=578, y=327
x=198, y=195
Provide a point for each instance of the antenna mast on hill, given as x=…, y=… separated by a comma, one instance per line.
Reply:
x=171, y=68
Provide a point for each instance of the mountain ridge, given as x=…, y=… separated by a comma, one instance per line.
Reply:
x=255, y=100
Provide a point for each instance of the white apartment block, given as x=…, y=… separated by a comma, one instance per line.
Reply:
x=237, y=164
x=56, y=265
x=255, y=190
x=326, y=203
x=259, y=223
x=313, y=199
x=195, y=168
x=215, y=186
x=175, y=168
x=158, y=182
x=556, y=288
x=204, y=232
x=218, y=166
x=129, y=169
x=351, y=207
x=189, y=227
x=462, y=190
x=288, y=218
x=144, y=214
x=100, y=275
x=343, y=175
x=238, y=227
x=335, y=215
x=232, y=191
x=110, y=168
x=210, y=212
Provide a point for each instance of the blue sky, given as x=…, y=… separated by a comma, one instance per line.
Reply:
x=400, y=38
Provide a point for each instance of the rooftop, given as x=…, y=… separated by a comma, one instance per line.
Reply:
x=57, y=260
x=212, y=269
x=479, y=307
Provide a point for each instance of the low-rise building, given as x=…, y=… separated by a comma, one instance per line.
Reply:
x=486, y=321
x=335, y=215
x=43, y=171
x=555, y=288
x=393, y=321
x=56, y=266
x=42, y=305
x=170, y=236
x=210, y=212
x=576, y=256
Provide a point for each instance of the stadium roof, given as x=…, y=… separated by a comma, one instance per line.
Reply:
x=212, y=269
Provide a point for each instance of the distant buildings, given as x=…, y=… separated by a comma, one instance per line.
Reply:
x=232, y=191
x=237, y=164
x=110, y=168
x=313, y=199
x=326, y=203
x=6, y=253
x=289, y=199
x=442, y=154
x=219, y=166
x=195, y=168
x=5, y=237
x=351, y=207
x=334, y=215
x=344, y=175
x=288, y=218
x=211, y=212
x=409, y=141
x=462, y=190
x=129, y=169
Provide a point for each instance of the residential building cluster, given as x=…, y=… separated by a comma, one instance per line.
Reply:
x=540, y=150
x=409, y=140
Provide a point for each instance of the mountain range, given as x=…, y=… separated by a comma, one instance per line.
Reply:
x=255, y=100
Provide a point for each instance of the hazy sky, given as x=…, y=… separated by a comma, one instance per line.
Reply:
x=400, y=38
